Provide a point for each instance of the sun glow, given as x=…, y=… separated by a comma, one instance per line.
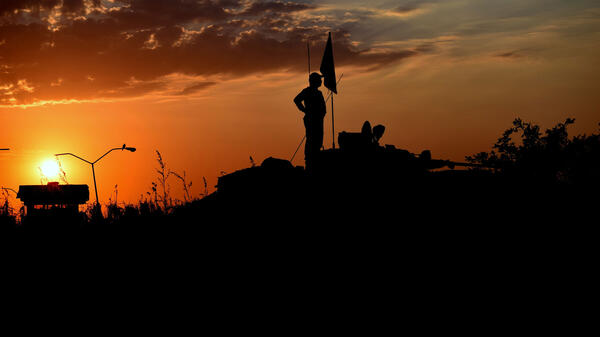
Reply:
x=50, y=169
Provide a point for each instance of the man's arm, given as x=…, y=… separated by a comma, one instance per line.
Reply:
x=298, y=100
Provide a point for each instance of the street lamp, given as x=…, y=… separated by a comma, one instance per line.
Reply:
x=4, y=149
x=131, y=149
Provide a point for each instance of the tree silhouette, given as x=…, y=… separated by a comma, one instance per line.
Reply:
x=551, y=157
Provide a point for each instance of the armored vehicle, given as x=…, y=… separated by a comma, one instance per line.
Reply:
x=359, y=171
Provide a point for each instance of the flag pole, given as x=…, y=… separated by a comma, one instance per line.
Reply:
x=328, y=72
x=332, y=124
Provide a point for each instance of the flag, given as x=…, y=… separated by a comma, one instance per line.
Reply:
x=327, y=67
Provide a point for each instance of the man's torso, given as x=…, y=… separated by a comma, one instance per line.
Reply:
x=314, y=103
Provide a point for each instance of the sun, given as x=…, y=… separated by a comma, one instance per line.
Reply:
x=50, y=169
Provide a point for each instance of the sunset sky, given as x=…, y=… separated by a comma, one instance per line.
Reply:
x=211, y=83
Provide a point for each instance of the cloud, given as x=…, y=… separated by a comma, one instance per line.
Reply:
x=262, y=7
x=12, y=8
x=95, y=48
x=64, y=50
x=412, y=5
x=196, y=87
x=141, y=14
x=510, y=54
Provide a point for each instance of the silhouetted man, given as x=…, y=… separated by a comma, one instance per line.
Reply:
x=311, y=102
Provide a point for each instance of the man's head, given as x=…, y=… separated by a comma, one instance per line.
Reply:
x=314, y=80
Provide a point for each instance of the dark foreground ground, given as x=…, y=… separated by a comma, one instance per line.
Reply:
x=445, y=253
x=361, y=247
x=440, y=210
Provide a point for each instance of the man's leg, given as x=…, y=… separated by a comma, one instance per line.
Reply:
x=314, y=143
x=318, y=136
x=308, y=146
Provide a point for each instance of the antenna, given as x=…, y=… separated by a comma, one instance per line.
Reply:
x=308, y=50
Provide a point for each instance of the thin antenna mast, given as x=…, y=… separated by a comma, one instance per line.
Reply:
x=332, y=125
x=308, y=50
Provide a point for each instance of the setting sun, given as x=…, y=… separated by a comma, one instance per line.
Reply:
x=50, y=169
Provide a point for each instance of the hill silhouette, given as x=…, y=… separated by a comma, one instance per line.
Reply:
x=364, y=188
x=373, y=227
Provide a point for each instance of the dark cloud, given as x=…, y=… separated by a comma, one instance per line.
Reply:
x=519, y=53
x=66, y=7
x=411, y=5
x=425, y=47
x=134, y=89
x=196, y=87
x=140, y=14
x=130, y=49
x=405, y=8
x=511, y=54
x=75, y=6
x=262, y=7
x=8, y=7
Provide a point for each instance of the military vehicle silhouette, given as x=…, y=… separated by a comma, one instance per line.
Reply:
x=360, y=171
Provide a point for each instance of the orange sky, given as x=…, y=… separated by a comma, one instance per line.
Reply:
x=445, y=76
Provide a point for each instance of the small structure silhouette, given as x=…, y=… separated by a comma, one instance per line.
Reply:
x=51, y=204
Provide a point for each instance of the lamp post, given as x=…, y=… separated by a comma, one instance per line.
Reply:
x=4, y=149
x=131, y=149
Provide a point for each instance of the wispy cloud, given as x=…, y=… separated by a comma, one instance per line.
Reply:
x=70, y=50
x=82, y=50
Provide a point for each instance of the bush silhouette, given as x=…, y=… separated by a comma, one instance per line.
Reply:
x=548, y=158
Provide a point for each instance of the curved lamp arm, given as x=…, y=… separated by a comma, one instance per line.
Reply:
x=70, y=154
x=107, y=152
x=132, y=149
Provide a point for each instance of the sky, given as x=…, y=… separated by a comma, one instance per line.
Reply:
x=210, y=84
